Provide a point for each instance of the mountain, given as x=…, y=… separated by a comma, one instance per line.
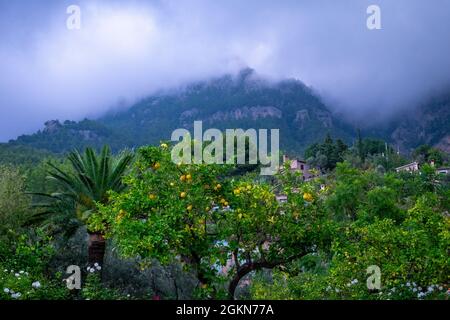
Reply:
x=428, y=123
x=241, y=101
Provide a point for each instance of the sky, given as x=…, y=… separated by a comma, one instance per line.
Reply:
x=126, y=50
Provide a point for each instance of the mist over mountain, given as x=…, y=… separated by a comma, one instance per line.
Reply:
x=246, y=100
x=128, y=50
x=242, y=101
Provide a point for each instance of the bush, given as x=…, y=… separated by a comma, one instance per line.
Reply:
x=22, y=272
x=14, y=204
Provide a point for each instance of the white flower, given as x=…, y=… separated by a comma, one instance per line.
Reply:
x=36, y=284
x=6, y=290
x=408, y=284
x=96, y=264
x=88, y=268
x=17, y=275
x=355, y=281
x=337, y=290
x=430, y=288
x=91, y=270
x=16, y=295
x=414, y=290
x=21, y=272
x=99, y=268
x=6, y=270
x=440, y=288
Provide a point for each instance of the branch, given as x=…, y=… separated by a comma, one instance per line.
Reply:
x=248, y=267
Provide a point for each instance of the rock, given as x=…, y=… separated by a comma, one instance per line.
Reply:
x=253, y=113
x=52, y=126
x=301, y=117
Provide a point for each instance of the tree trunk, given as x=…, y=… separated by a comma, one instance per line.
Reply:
x=241, y=272
x=248, y=267
x=96, y=248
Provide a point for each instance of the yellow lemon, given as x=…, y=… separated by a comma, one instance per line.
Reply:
x=189, y=177
x=183, y=195
x=183, y=178
x=151, y=196
x=120, y=215
x=308, y=197
x=164, y=145
x=189, y=207
x=156, y=166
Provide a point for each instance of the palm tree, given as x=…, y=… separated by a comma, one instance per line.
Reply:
x=86, y=185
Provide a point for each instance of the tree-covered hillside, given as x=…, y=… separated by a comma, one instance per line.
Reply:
x=242, y=101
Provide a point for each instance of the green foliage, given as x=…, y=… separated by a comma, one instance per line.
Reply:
x=426, y=154
x=224, y=224
x=187, y=212
x=61, y=138
x=381, y=203
x=21, y=285
x=23, y=271
x=414, y=251
x=397, y=222
x=163, y=214
x=327, y=154
x=21, y=155
x=14, y=204
x=86, y=183
x=93, y=289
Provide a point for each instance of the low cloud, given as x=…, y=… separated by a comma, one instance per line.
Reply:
x=127, y=50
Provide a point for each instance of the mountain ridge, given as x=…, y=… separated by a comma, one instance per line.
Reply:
x=245, y=100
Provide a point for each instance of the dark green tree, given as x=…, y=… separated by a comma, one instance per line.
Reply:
x=88, y=182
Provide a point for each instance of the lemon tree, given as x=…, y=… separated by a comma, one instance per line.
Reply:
x=221, y=226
